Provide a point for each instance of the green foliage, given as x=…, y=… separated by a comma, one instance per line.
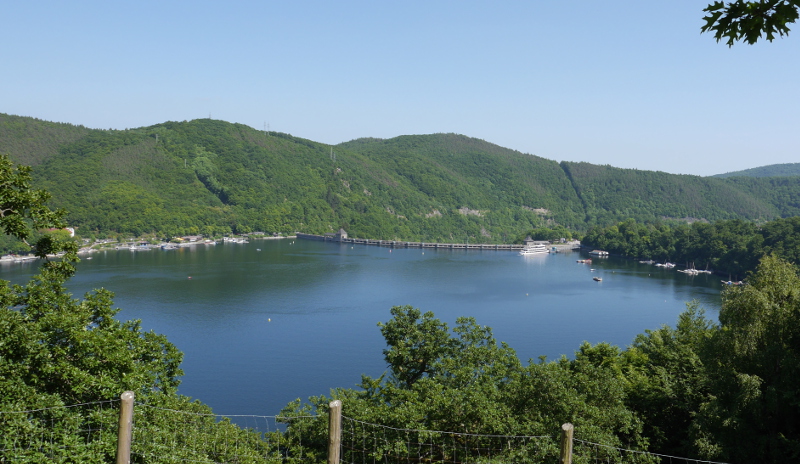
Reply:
x=750, y=21
x=466, y=382
x=729, y=247
x=722, y=392
x=180, y=178
x=667, y=380
x=417, y=343
x=610, y=194
x=546, y=233
x=33, y=141
x=773, y=170
x=752, y=413
x=58, y=351
x=22, y=209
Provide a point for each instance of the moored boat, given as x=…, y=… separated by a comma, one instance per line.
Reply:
x=534, y=250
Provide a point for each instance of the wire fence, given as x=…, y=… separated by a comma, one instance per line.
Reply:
x=596, y=452
x=84, y=432
x=364, y=442
x=191, y=434
x=198, y=437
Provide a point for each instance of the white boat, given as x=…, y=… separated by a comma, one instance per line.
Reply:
x=534, y=250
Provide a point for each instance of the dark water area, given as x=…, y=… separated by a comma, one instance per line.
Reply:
x=263, y=323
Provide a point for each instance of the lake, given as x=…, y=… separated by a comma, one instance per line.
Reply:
x=263, y=323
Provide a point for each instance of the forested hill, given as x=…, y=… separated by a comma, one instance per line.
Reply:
x=773, y=170
x=212, y=177
x=608, y=192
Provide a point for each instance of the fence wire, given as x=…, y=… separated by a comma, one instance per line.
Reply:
x=586, y=451
x=364, y=442
x=77, y=433
x=87, y=433
x=200, y=437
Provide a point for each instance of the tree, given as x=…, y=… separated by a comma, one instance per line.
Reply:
x=58, y=351
x=463, y=380
x=23, y=210
x=747, y=20
x=752, y=415
x=72, y=349
x=416, y=343
x=667, y=380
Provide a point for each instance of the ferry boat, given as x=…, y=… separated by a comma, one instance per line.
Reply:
x=534, y=250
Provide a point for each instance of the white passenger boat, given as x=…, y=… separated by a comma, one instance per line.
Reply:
x=534, y=250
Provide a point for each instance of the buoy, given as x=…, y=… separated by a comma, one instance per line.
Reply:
x=269, y=320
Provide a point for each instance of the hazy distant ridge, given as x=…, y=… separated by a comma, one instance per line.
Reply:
x=773, y=170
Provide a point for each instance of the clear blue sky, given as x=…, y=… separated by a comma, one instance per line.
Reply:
x=632, y=84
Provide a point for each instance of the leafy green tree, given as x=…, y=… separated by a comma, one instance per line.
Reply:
x=23, y=210
x=58, y=351
x=462, y=380
x=666, y=379
x=750, y=21
x=752, y=413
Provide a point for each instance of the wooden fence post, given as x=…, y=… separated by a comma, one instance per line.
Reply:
x=125, y=428
x=566, y=443
x=334, y=431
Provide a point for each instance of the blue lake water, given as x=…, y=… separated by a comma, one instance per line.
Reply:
x=261, y=328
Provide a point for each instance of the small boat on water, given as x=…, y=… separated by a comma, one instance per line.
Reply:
x=597, y=279
x=584, y=261
x=598, y=253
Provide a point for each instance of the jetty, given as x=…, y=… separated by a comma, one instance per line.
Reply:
x=341, y=237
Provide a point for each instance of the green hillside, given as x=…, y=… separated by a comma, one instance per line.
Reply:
x=214, y=177
x=455, y=172
x=32, y=141
x=607, y=193
x=773, y=170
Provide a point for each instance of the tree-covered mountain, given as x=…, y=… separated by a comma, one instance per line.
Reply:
x=773, y=170
x=214, y=177
x=607, y=192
